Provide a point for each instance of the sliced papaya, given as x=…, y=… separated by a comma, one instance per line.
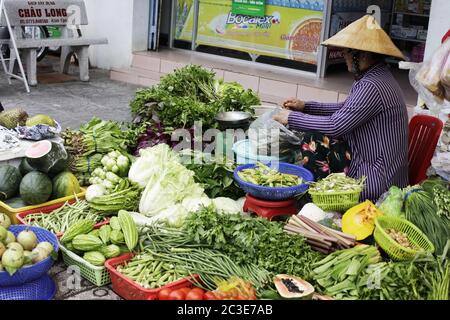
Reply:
x=292, y=287
x=360, y=220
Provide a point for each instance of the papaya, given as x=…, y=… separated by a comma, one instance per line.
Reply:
x=291, y=287
x=359, y=221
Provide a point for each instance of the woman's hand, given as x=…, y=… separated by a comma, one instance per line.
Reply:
x=294, y=104
x=282, y=117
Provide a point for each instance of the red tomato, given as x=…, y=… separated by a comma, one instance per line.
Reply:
x=209, y=295
x=177, y=295
x=195, y=294
x=164, y=294
x=185, y=290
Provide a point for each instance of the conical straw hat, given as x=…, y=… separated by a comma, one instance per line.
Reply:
x=365, y=34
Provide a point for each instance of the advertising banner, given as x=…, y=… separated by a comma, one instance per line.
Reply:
x=255, y=8
x=286, y=32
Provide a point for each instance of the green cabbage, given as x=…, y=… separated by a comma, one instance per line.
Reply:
x=169, y=183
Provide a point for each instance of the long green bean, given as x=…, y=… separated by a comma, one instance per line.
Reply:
x=62, y=218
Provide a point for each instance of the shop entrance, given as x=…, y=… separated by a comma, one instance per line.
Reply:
x=291, y=32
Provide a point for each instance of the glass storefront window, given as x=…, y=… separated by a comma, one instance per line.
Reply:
x=288, y=35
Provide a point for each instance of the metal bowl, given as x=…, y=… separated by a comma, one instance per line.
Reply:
x=233, y=118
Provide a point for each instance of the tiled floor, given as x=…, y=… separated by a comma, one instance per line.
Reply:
x=272, y=83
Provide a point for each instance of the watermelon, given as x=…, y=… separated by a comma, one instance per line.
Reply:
x=25, y=167
x=47, y=157
x=16, y=202
x=10, y=178
x=65, y=184
x=35, y=188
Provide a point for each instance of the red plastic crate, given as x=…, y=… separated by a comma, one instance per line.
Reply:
x=48, y=210
x=130, y=290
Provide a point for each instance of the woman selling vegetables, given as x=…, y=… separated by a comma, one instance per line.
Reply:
x=373, y=120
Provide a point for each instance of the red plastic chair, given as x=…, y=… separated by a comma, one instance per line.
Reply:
x=424, y=133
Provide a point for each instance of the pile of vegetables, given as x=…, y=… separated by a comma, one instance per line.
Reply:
x=188, y=95
x=21, y=251
x=422, y=212
x=191, y=94
x=337, y=274
x=41, y=176
x=319, y=237
x=231, y=289
x=337, y=182
x=97, y=245
x=425, y=278
x=90, y=143
x=124, y=196
x=173, y=246
x=215, y=175
x=251, y=240
x=267, y=177
x=59, y=220
x=115, y=166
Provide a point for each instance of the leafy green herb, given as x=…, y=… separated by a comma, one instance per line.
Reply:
x=191, y=94
x=216, y=176
x=252, y=240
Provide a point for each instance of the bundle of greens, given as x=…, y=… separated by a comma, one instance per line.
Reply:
x=338, y=182
x=190, y=94
x=338, y=274
x=426, y=278
x=442, y=200
x=214, y=175
x=125, y=196
x=422, y=212
x=173, y=246
x=251, y=240
x=62, y=218
x=438, y=189
x=265, y=176
x=96, y=136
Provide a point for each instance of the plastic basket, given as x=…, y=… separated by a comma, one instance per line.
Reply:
x=98, y=276
x=12, y=212
x=35, y=271
x=43, y=288
x=335, y=201
x=21, y=217
x=275, y=194
x=244, y=156
x=130, y=290
x=394, y=250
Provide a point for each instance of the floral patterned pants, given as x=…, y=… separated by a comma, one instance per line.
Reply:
x=323, y=155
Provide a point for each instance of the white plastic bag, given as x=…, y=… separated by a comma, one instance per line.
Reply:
x=271, y=137
x=445, y=78
x=429, y=75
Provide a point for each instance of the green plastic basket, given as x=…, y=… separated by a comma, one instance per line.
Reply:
x=394, y=250
x=335, y=201
x=94, y=274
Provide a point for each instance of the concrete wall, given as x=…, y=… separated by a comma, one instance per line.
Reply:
x=124, y=23
x=438, y=26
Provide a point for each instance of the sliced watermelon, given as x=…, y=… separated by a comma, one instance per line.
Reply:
x=48, y=157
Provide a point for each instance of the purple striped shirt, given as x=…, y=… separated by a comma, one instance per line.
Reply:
x=374, y=122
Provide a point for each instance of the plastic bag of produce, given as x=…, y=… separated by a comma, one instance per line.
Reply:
x=38, y=132
x=391, y=202
x=271, y=137
x=429, y=74
x=445, y=78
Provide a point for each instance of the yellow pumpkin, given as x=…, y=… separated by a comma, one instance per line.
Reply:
x=360, y=220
